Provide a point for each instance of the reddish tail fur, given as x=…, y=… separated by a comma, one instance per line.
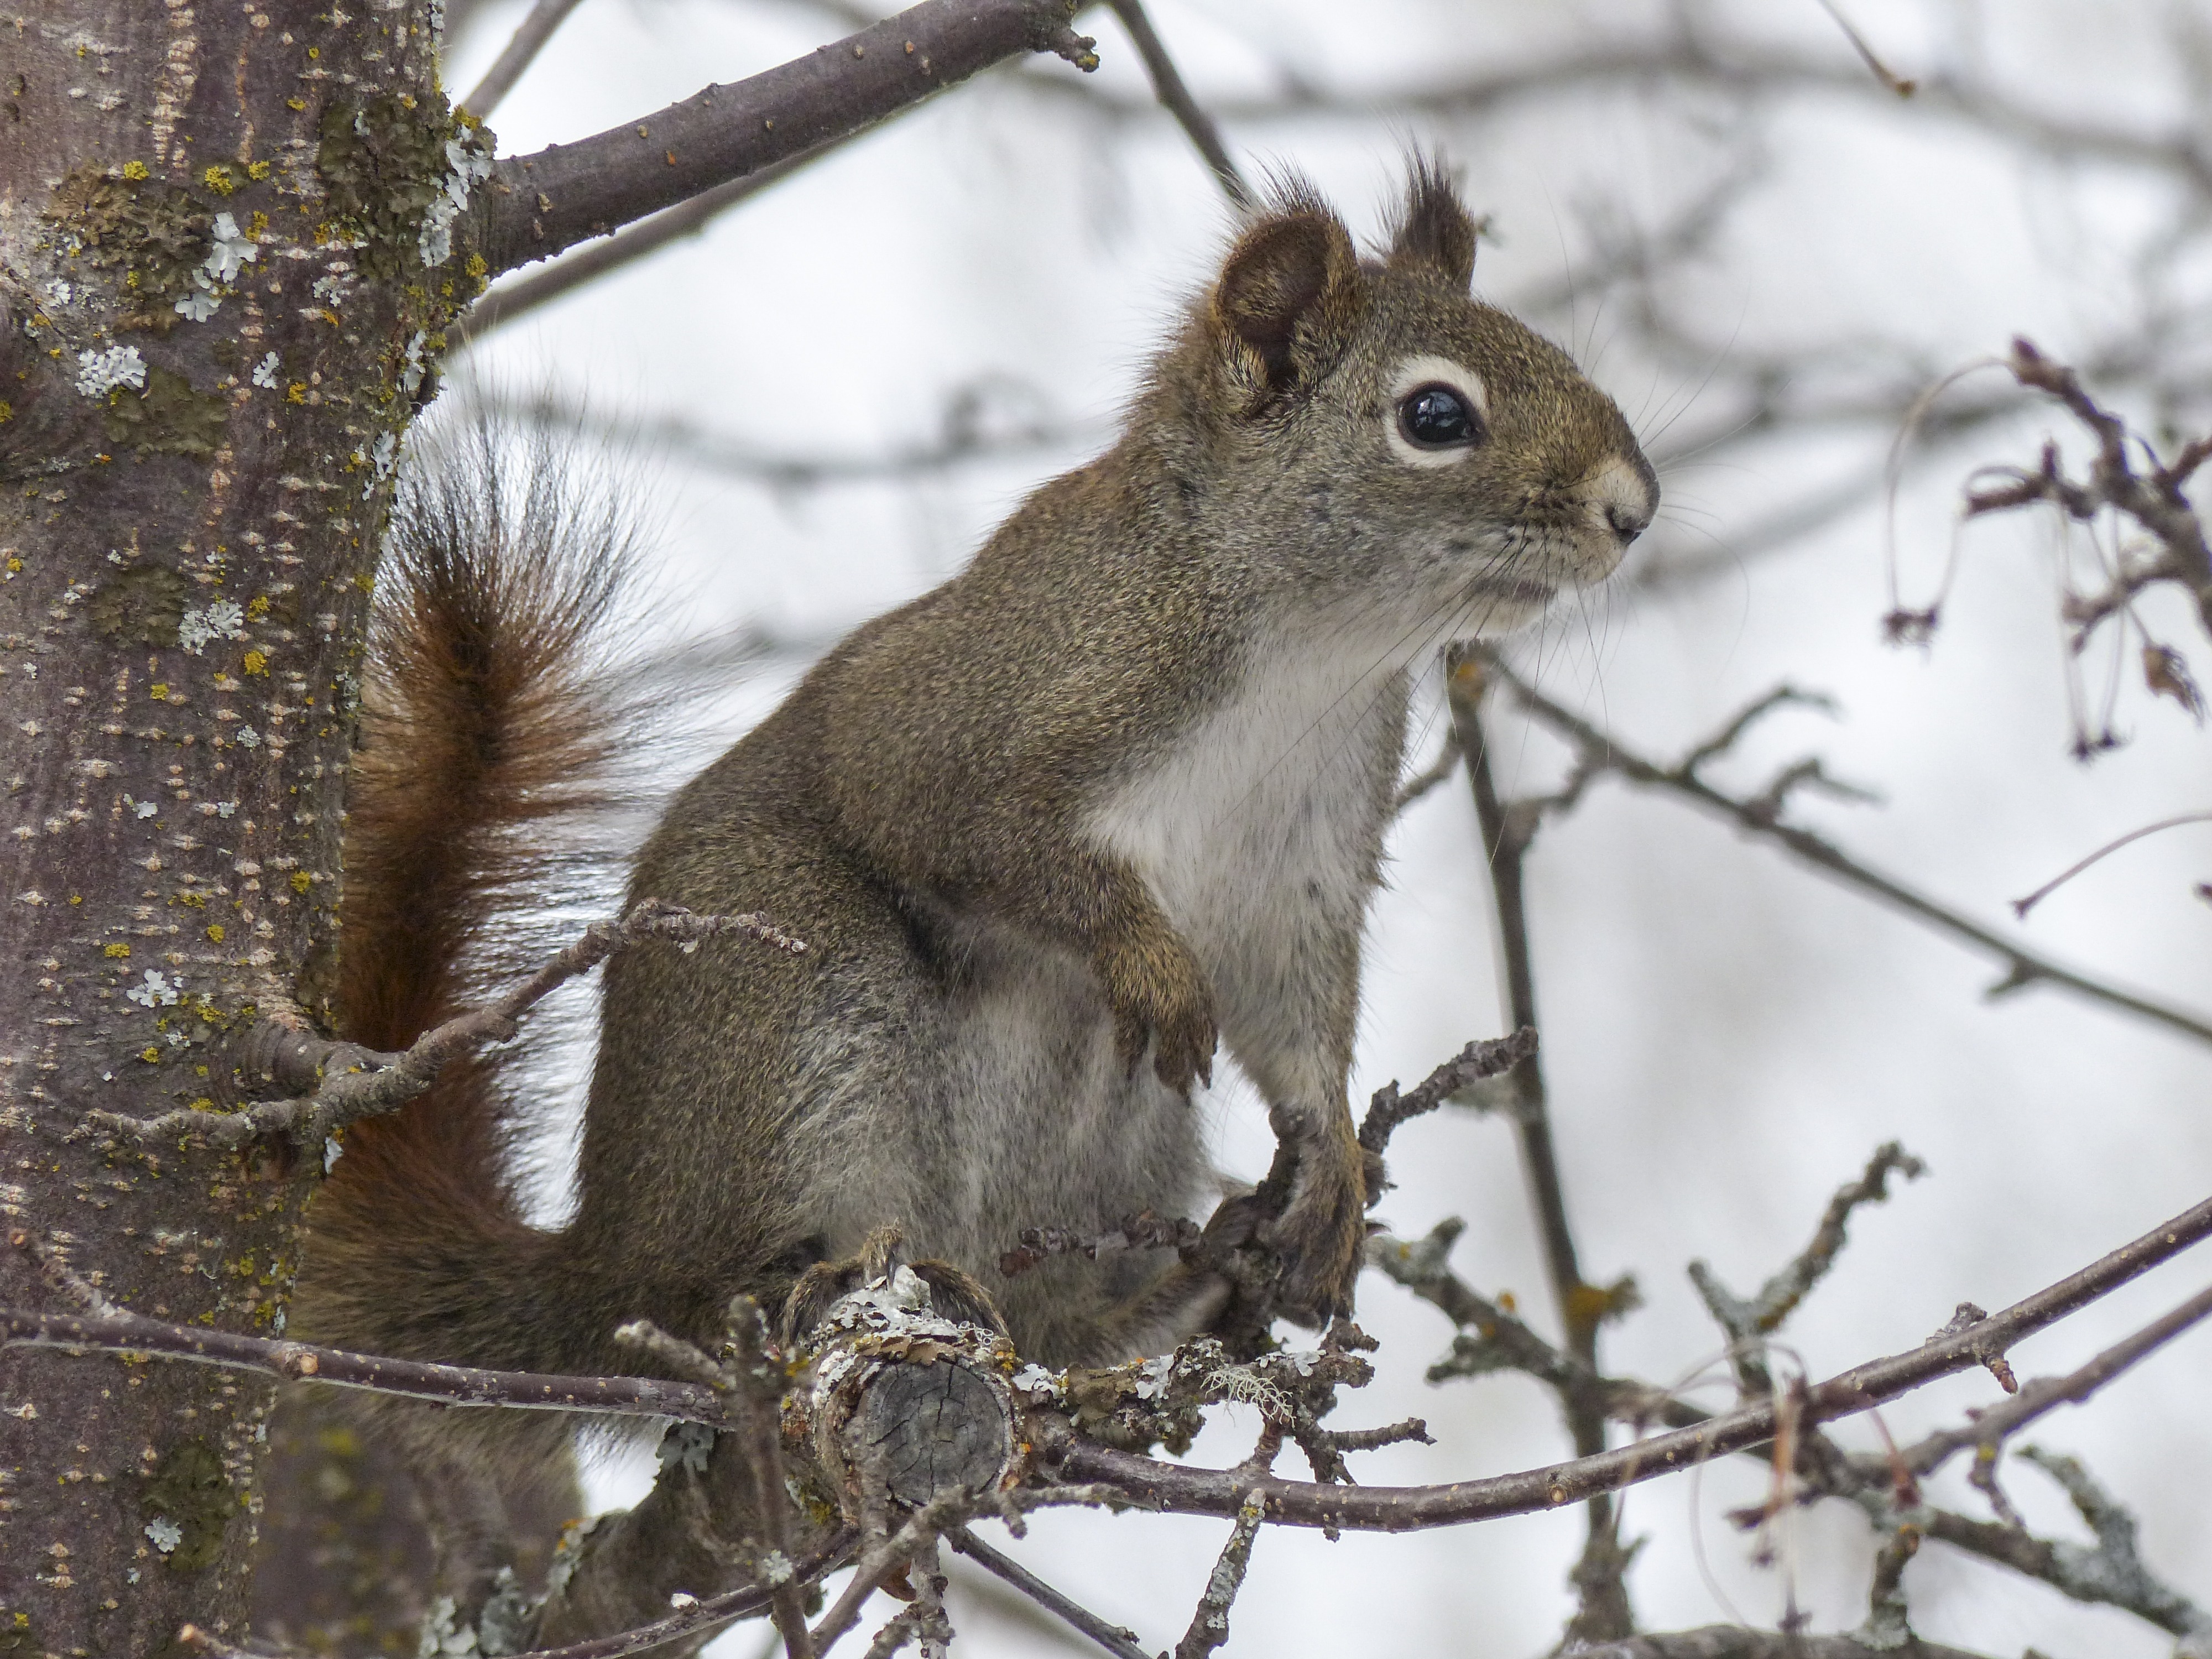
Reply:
x=489, y=724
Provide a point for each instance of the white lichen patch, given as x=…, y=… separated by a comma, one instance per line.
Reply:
x=687, y=1443
x=155, y=992
x=165, y=1534
x=413, y=368
x=265, y=374
x=229, y=252
x=468, y=164
x=223, y=620
x=383, y=456
x=1034, y=1379
x=98, y=373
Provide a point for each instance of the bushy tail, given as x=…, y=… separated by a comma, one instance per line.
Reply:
x=493, y=724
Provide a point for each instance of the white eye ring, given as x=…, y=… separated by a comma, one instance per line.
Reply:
x=1429, y=369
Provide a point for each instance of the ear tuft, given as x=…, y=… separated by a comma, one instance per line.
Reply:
x=1436, y=234
x=1289, y=289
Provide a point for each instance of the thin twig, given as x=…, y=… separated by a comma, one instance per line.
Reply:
x=1881, y=71
x=758, y=1380
x=364, y=1093
x=512, y=300
x=924, y=1523
x=299, y=1362
x=1209, y=1624
x=2020, y=907
x=2044, y=1394
x=1600, y=1576
x=1427, y=778
x=1598, y=752
x=527, y=41
x=1175, y=97
x=963, y=437
x=712, y=1613
x=1494, y=1057
x=1184, y=1490
x=1494, y=1340
x=1114, y=1638
x=1748, y=1322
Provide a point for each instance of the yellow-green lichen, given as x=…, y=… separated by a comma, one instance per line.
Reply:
x=168, y=419
x=147, y=237
x=382, y=165
x=144, y=605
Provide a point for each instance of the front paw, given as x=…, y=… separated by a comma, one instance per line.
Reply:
x=1158, y=994
x=1320, y=1239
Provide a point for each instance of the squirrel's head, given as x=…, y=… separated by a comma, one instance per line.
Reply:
x=1371, y=430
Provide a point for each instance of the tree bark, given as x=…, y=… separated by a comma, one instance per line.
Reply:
x=231, y=242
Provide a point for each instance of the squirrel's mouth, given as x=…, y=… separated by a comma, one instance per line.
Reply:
x=1521, y=593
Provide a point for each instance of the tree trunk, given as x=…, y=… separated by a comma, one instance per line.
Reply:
x=220, y=306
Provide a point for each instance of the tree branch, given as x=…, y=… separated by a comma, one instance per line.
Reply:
x=510, y=300
x=1598, y=752
x=1116, y=1640
x=1733, y=1641
x=534, y=206
x=1190, y=1491
x=1175, y=97
x=302, y=1362
x=371, y=1082
x=1600, y=1576
x=506, y=68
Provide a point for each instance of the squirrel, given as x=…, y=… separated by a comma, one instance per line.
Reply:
x=1113, y=792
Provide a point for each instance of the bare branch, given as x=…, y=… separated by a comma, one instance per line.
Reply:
x=373, y=1083
x=964, y=435
x=2043, y=1393
x=2113, y=1572
x=506, y=68
x=450, y=1385
x=1747, y=1322
x=1209, y=1625
x=1495, y=1341
x=1600, y=1576
x=1176, y=97
x=2020, y=907
x=534, y=206
x=1190, y=1491
x=1881, y=71
x=1427, y=778
x=509, y=300
x=1116, y=1640
x=1598, y=752
x=2155, y=499
x=1478, y=1059
x=1731, y=1642
x=712, y=1613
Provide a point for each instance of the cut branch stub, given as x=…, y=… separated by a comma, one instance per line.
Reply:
x=899, y=1404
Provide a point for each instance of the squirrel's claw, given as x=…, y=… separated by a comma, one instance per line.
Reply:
x=1160, y=999
x=1321, y=1236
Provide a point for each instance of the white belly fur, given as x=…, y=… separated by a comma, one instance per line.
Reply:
x=1258, y=834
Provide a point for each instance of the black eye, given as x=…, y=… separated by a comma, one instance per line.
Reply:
x=1438, y=417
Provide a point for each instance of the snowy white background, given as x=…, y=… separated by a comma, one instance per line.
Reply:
x=1727, y=1035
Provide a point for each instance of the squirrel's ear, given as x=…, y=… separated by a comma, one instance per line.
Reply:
x=1436, y=234
x=1289, y=296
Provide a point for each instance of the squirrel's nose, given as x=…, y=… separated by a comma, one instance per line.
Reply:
x=1628, y=522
